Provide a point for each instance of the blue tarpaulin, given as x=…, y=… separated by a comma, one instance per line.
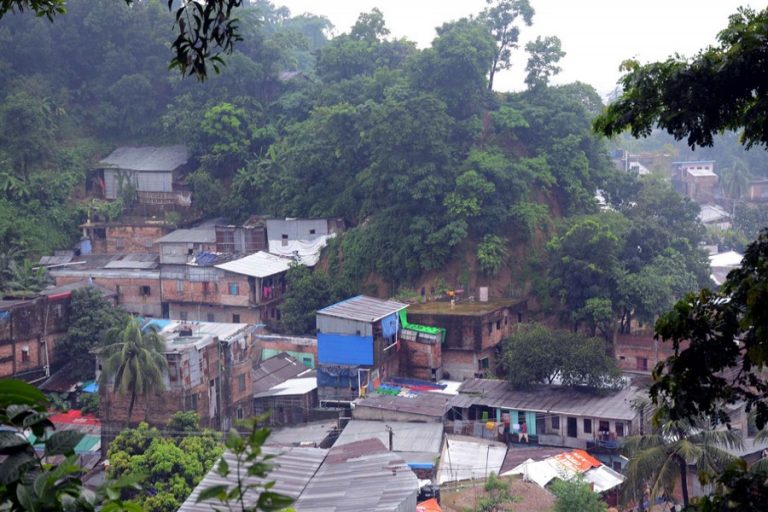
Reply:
x=344, y=349
x=91, y=387
x=389, y=326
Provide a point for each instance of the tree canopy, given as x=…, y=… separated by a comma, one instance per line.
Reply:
x=538, y=354
x=721, y=88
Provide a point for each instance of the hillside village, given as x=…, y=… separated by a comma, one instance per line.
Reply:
x=413, y=385
x=337, y=269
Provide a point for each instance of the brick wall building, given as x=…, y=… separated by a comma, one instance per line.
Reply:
x=209, y=366
x=473, y=332
x=139, y=236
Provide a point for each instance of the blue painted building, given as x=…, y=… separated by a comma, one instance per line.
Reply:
x=356, y=346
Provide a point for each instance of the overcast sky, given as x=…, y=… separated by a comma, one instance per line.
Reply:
x=597, y=35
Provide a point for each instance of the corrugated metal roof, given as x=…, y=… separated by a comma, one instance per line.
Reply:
x=274, y=371
x=374, y=483
x=55, y=290
x=260, y=264
x=294, y=468
x=199, y=235
x=147, y=158
x=363, y=309
x=298, y=386
x=426, y=404
x=548, y=399
x=315, y=433
x=467, y=458
x=408, y=436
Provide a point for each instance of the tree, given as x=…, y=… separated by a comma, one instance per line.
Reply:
x=727, y=336
x=173, y=465
x=542, y=62
x=135, y=360
x=721, y=88
x=735, y=181
x=25, y=279
x=91, y=316
x=491, y=254
x=537, y=354
x=576, y=495
x=369, y=27
x=205, y=29
x=501, y=18
x=307, y=292
x=660, y=460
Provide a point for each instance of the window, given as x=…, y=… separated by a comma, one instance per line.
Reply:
x=604, y=426
x=307, y=361
x=118, y=289
x=484, y=363
x=233, y=288
x=119, y=243
x=587, y=426
x=241, y=382
x=619, y=429
x=506, y=320
x=311, y=231
x=498, y=324
x=490, y=328
x=285, y=239
x=144, y=291
x=206, y=287
x=148, y=243
x=211, y=317
x=183, y=315
x=180, y=286
x=190, y=402
x=25, y=354
x=235, y=319
x=519, y=318
x=240, y=413
x=556, y=423
x=642, y=364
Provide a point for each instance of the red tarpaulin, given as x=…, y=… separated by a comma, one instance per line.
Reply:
x=75, y=417
x=430, y=505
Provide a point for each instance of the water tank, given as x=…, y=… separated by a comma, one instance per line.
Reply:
x=483, y=294
x=85, y=246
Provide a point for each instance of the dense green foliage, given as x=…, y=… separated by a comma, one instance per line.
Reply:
x=307, y=292
x=629, y=263
x=172, y=466
x=408, y=145
x=32, y=481
x=91, y=316
x=576, y=495
x=536, y=354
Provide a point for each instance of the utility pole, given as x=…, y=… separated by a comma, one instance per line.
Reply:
x=391, y=435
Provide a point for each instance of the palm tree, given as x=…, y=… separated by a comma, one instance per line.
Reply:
x=135, y=360
x=24, y=280
x=735, y=181
x=659, y=460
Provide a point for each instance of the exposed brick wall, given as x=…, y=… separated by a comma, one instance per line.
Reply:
x=129, y=292
x=641, y=353
x=211, y=292
x=26, y=330
x=417, y=359
x=201, y=312
x=137, y=239
x=459, y=364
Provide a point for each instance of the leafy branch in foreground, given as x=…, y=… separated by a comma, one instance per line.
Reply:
x=29, y=481
x=205, y=29
x=245, y=463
